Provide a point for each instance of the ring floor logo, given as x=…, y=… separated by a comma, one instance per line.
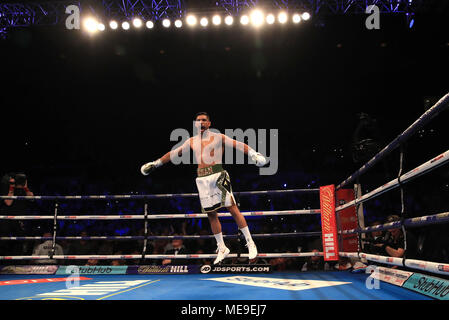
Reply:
x=99, y=290
x=275, y=283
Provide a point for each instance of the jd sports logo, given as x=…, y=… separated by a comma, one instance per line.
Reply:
x=205, y=269
x=284, y=284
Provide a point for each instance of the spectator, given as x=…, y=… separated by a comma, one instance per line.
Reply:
x=259, y=261
x=45, y=249
x=201, y=261
x=177, y=247
x=315, y=263
x=92, y=262
x=82, y=247
x=117, y=262
x=343, y=263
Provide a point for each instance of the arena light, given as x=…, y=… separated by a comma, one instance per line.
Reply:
x=191, y=20
x=270, y=19
x=178, y=23
x=101, y=27
x=90, y=24
x=125, y=25
x=113, y=24
x=166, y=23
x=257, y=18
x=244, y=20
x=282, y=17
x=216, y=20
x=229, y=20
x=204, y=22
x=137, y=23
x=150, y=24
x=296, y=18
x=305, y=16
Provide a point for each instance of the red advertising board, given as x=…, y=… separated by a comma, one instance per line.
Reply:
x=328, y=223
x=348, y=220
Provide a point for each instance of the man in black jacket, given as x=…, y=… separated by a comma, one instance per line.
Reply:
x=177, y=248
x=394, y=243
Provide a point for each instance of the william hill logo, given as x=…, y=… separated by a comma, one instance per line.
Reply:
x=162, y=269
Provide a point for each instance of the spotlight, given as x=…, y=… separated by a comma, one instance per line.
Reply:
x=282, y=17
x=191, y=20
x=306, y=16
x=229, y=20
x=244, y=20
x=216, y=20
x=137, y=23
x=125, y=25
x=270, y=19
x=178, y=23
x=296, y=18
x=257, y=18
x=101, y=27
x=113, y=24
x=150, y=24
x=204, y=22
x=166, y=23
x=91, y=25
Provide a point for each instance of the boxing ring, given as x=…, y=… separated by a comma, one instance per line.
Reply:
x=232, y=282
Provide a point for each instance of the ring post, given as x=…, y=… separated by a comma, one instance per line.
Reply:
x=328, y=223
x=146, y=230
x=403, y=214
x=55, y=224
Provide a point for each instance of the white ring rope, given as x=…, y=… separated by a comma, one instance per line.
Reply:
x=162, y=216
x=162, y=256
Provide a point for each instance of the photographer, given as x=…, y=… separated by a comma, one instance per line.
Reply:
x=373, y=239
x=16, y=185
x=394, y=243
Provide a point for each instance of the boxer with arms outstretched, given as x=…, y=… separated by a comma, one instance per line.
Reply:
x=213, y=182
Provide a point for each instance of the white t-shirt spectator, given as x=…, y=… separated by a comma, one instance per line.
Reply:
x=44, y=249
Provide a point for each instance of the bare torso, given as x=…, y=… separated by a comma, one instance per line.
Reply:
x=208, y=149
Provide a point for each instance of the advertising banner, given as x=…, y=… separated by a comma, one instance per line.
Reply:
x=92, y=270
x=328, y=223
x=430, y=286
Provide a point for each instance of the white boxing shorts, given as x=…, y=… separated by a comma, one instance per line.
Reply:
x=214, y=188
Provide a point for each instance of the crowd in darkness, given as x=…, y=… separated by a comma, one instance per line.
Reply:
x=430, y=244
x=163, y=227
